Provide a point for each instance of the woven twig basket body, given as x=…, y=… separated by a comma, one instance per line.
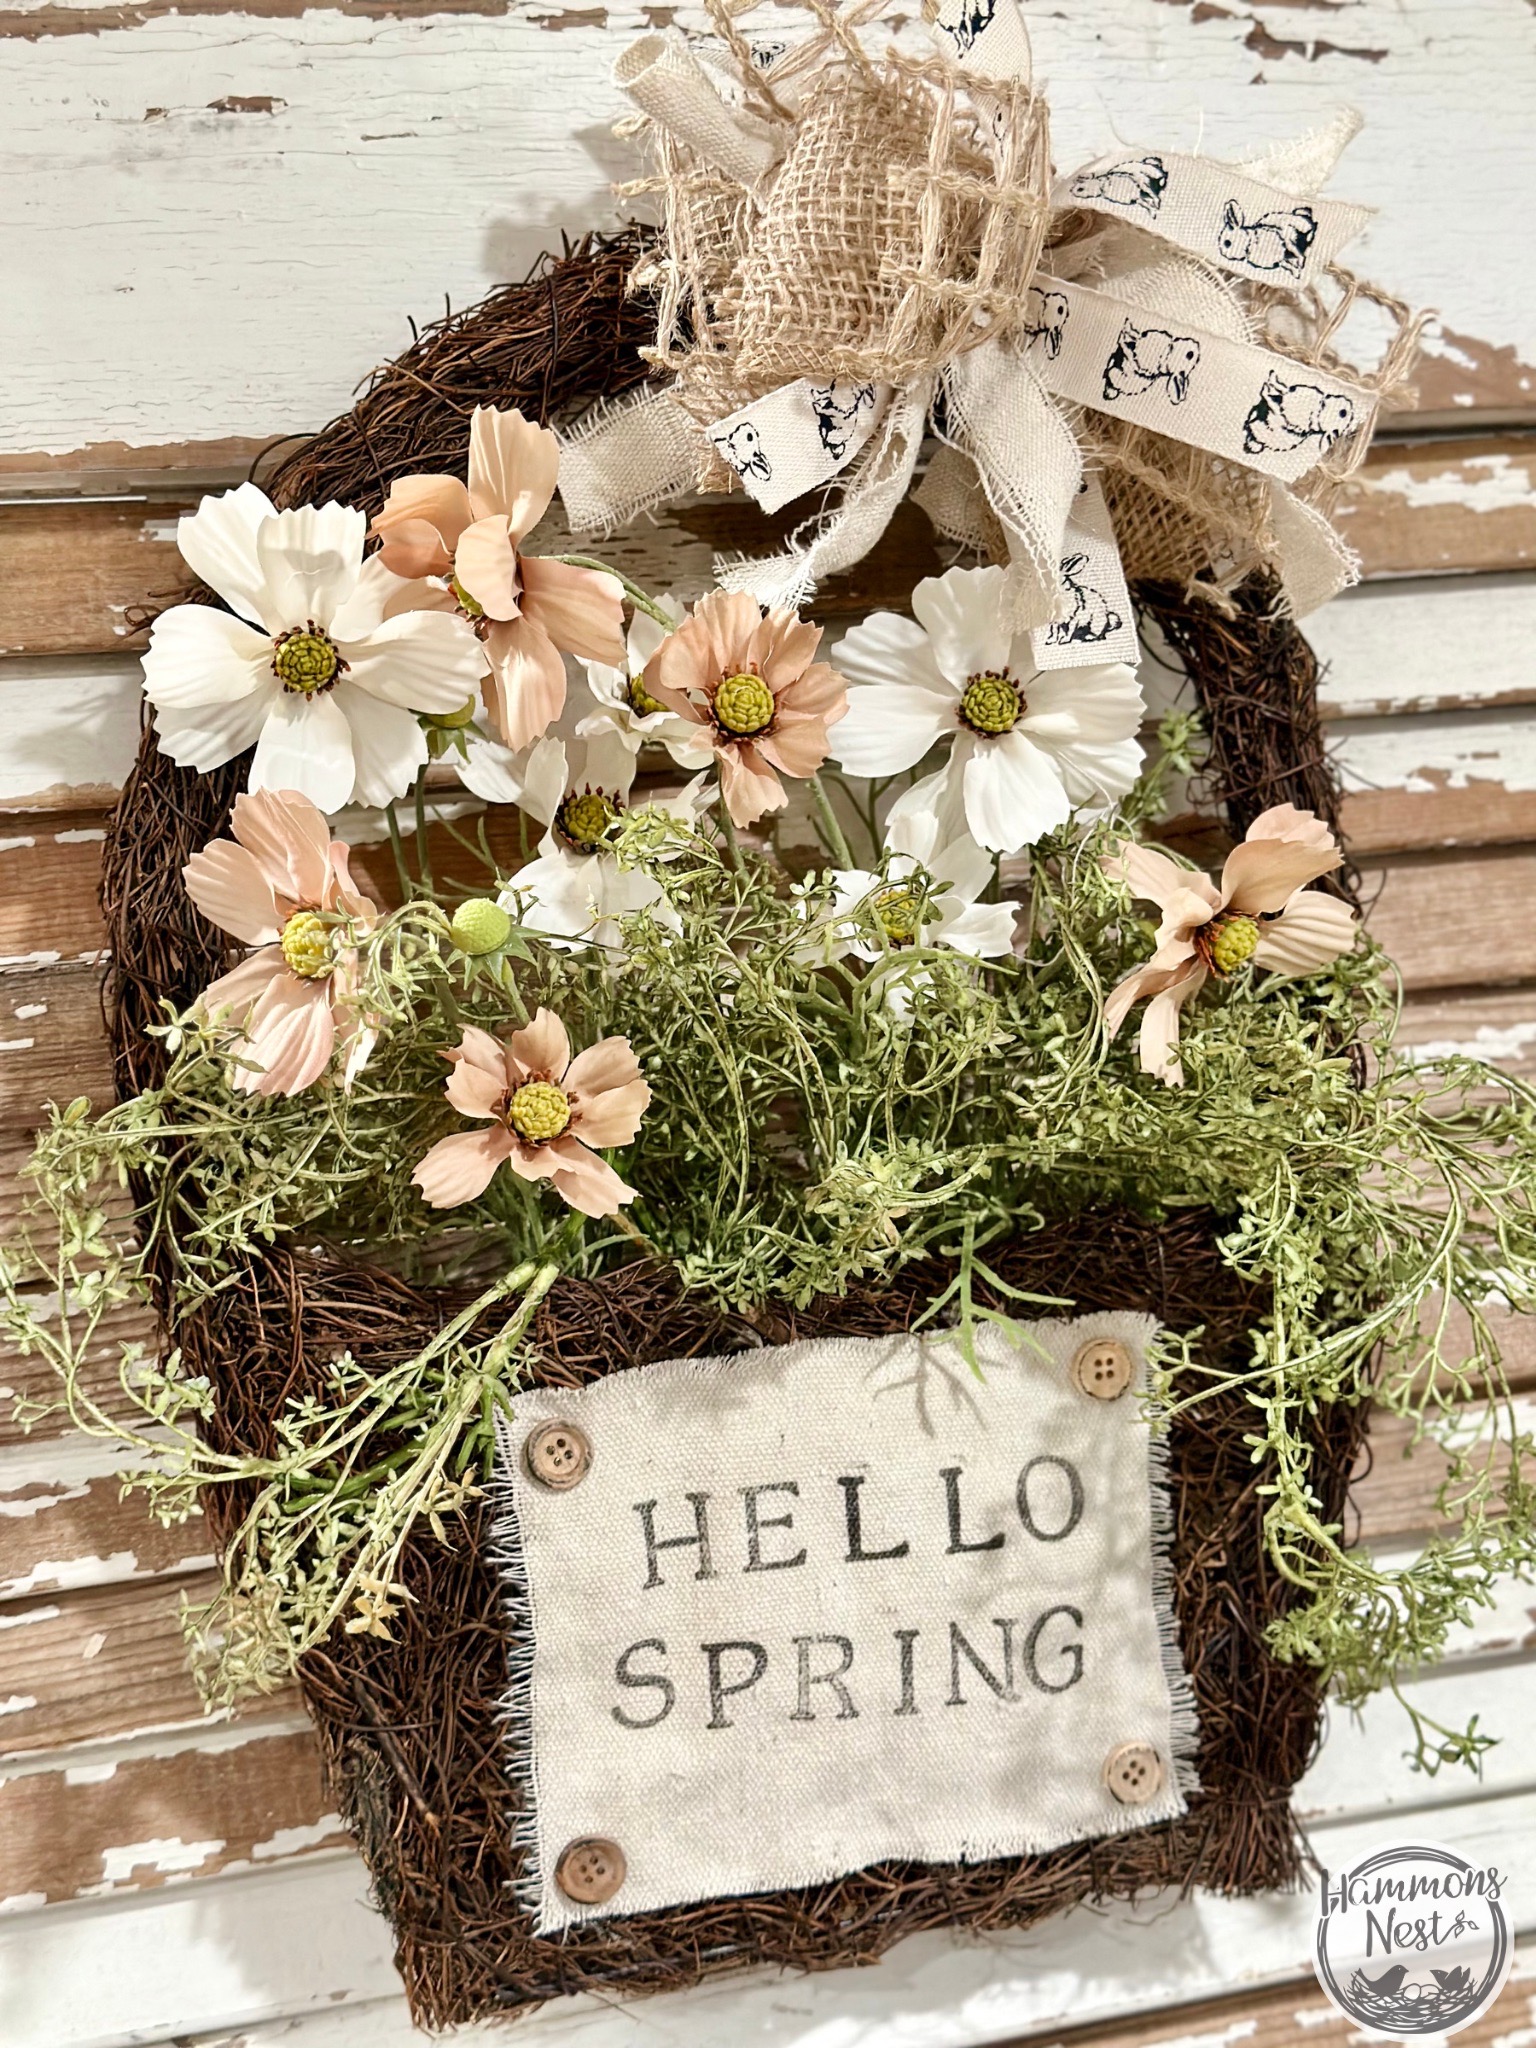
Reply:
x=410, y=1728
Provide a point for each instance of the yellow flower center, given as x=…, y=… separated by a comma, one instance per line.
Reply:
x=584, y=818
x=479, y=926
x=1232, y=941
x=306, y=944
x=471, y=607
x=539, y=1111
x=744, y=705
x=305, y=662
x=900, y=911
x=641, y=702
x=992, y=704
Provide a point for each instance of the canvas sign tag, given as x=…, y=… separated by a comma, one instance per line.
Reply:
x=782, y=1615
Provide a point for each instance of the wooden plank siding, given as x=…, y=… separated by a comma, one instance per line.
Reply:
x=222, y=212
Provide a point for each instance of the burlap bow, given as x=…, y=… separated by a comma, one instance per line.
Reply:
x=1131, y=370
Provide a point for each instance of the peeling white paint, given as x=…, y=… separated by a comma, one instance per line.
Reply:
x=25, y=1012
x=464, y=189
x=163, y=1853
x=93, y=1645
x=1499, y=484
x=1422, y=755
x=17, y=1044
x=291, y=1841
x=18, y=1703
x=91, y=1774
x=83, y=835
x=31, y=1615
x=1494, y=1043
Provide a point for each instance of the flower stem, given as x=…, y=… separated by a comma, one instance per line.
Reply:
x=831, y=831
x=637, y=597
x=397, y=848
x=423, y=857
x=728, y=834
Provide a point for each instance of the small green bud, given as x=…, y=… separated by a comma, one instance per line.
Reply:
x=480, y=926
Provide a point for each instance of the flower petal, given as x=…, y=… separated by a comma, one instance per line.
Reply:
x=306, y=745
x=475, y=1091
x=984, y=930
x=291, y=842
x=310, y=558
x=208, y=735
x=967, y=867
x=1013, y=793
x=582, y=610
x=887, y=648
x=890, y=726
x=798, y=747
x=1151, y=875
x=422, y=661
x=290, y=1035
x=485, y=564
x=788, y=648
x=748, y=786
x=1087, y=719
x=421, y=521
x=1263, y=874
x=962, y=613
x=530, y=676
x=228, y=886
x=234, y=994
x=477, y=1048
x=197, y=655
x=542, y=1048
x=513, y=465
x=388, y=746
x=461, y=1167
x=218, y=544
x=586, y=1182
x=1284, y=821
x=1311, y=932
x=1158, y=1043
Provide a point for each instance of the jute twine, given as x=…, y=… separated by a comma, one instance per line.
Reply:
x=893, y=234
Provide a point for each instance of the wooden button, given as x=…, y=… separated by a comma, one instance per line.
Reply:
x=590, y=1870
x=1134, y=1773
x=558, y=1455
x=1104, y=1368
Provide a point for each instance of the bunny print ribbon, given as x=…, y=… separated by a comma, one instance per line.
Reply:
x=1230, y=398
x=1252, y=230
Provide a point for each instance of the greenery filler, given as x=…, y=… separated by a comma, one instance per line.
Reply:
x=880, y=1133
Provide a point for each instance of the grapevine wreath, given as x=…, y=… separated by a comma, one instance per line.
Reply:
x=521, y=976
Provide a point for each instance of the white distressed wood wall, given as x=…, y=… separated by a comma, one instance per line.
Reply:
x=216, y=217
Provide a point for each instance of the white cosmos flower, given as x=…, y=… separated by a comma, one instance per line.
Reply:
x=1028, y=747
x=623, y=704
x=576, y=783
x=925, y=897
x=308, y=670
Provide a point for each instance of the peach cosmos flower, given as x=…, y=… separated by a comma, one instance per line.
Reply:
x=1262, y=913
x=749, y=679
x=544, y=1111
x=526, y=609
x=282, y=885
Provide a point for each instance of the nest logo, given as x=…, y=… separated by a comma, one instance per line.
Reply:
x=1412, y=1941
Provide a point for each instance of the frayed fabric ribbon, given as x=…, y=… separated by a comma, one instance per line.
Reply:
x=1164, y=365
